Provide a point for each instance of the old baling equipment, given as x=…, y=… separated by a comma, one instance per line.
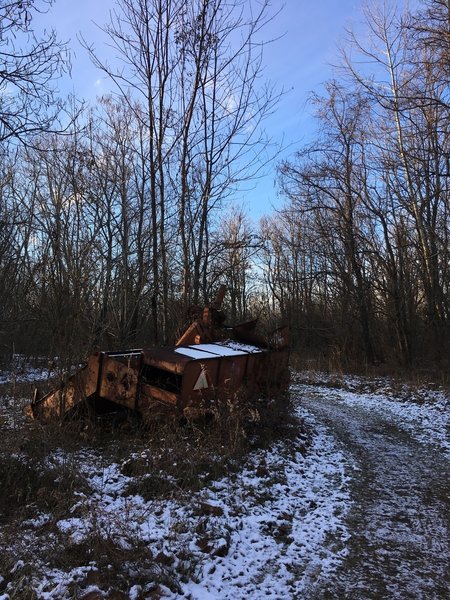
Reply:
x=209, y=363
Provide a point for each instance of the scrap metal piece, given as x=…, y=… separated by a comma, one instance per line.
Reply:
x=209, y=363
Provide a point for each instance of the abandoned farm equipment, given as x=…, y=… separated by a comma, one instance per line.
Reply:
x=210, y=362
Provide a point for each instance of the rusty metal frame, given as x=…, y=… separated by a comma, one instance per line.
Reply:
x=231, y=357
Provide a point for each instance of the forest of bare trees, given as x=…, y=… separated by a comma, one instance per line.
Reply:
x=117, y=218
x=370, y=196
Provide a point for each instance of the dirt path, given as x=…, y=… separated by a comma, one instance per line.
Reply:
x=400, y=516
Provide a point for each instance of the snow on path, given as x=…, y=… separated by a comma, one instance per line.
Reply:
x=399, y=547
x=428, y=422
x=307, y=506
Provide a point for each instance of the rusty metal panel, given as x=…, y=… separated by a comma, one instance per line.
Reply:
x=231, y=373
x=213, y=378
x=165, y=358
x=199, y=381
x=68, y=395
x=153, y=409
x=117, y=382
x=91, y=377
x=49, y=407
x=272, y=374
x=150, y=391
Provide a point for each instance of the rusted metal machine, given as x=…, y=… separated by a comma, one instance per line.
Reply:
x=210, y=362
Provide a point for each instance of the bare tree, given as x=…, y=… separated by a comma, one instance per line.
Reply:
x=409, y=92
x=328, y=181
x=374, y=188
x=190, y=70
x=28, y=68
x=223, y=143
x=234, y=247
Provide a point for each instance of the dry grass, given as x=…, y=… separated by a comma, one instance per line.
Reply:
x=40, y=476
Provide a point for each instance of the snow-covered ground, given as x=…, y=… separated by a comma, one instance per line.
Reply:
x=277, y=527
x=20, y=370
x=422, y=412
x=273, y=529
x=399, y=521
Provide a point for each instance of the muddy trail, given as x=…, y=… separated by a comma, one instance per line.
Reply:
x=399, y=519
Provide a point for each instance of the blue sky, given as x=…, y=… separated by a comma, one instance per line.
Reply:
x=299, y=62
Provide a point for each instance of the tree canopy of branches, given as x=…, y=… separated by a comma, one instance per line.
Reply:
x=188, y=71
x=373, y=191
x=121, y=217
x=110, y=233
x=28, y=67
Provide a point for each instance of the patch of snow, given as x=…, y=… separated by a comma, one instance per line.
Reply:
x=135, y=592
x=281, y=544
x=19, y=565
x=426, y=416
x=24, y=375
x=271, y=530
x=191, y=352
x=268, y=533
x=54, y=586
x=39, y=521
x=246, y=348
